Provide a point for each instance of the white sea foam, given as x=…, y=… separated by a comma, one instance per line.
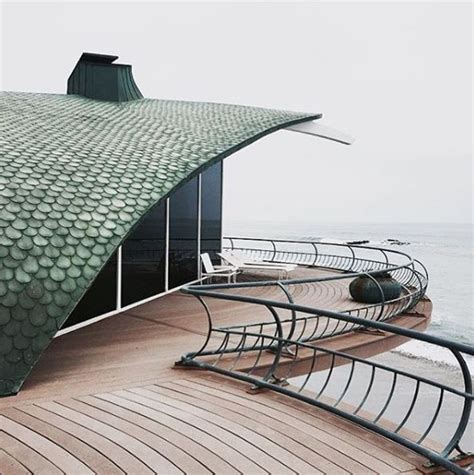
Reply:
x=435, y=354
x=332, y=241
x=362, y=241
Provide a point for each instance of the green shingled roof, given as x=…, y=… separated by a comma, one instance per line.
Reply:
x=75, y=176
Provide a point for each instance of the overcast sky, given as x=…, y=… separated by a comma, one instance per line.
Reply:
x=397, y=76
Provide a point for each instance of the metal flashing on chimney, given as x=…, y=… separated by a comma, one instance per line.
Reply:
x=96, y=76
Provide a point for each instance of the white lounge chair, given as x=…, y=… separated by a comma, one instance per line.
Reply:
x=210, y=270
x=237, y=262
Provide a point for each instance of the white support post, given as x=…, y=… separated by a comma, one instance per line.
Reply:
x=222, y=204
x=119, y=278
x=167, y=244
x=199, y=270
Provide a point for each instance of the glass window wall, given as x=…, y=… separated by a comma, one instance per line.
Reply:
x=144, y=257
x=144, y=252
x=211, y=211
x=183, y=234
x=100, y=298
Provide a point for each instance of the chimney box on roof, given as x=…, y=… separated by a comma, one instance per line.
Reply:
x=96, y=76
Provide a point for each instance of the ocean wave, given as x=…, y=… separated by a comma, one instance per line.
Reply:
x=433, y=354
x=361, y=242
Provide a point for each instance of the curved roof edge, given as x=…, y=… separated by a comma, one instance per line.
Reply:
x=76, y=175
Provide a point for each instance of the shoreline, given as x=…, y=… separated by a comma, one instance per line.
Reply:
x=439, y=363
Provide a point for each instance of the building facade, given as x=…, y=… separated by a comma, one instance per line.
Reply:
x=106, y=199
x=162, y=252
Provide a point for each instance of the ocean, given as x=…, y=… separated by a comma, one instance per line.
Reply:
x=445, y=249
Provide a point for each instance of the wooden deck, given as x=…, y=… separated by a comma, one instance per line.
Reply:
x=200, y=424
x=105, y=399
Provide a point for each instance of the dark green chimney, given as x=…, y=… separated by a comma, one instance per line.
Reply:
x=96, y=76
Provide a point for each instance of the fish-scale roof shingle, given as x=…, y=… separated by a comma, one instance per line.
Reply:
x=75, y=176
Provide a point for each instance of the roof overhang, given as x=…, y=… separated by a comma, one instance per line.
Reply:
x=323, y=131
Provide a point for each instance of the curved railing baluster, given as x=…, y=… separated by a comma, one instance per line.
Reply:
x=349, y=381
x=367, y=392
x=433, y=420
x=410, y=409
x=467, y=406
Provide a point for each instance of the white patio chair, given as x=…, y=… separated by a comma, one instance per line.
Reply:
x=237, y=262
x=210, y=270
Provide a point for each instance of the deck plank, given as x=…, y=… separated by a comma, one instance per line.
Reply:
x=281, y=422
x=10, y=465
x=347, y=457
x=263, y=437
x=146, y=447
x=32, y=460
x=233, y=438
x=196, y=443
x=257, y=421
x=57, y=454
x=307, y=418
x=161, y=439
x=84, y=452
x=114, y=440
x=229, y=448
x=106, y=452
x=302, y=447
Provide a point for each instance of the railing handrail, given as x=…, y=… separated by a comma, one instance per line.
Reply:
x=321, y=243
x=288, y=342
x=306, y=280
x=389, y=267
x=383, y=326
x=411, y=275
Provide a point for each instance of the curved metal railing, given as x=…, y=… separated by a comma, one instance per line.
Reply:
x=335, y=256
x=349, y=261
x=271, y=352
x=250, y=354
